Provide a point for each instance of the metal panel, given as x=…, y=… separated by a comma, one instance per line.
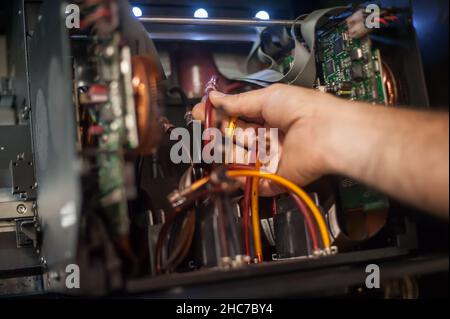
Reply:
x=21, y=286
x=17, y=58
x=54, y=135
x=301, y=278
x=16, y=176
x=16, y=169
x=14, y=140
x=19, y=209
x=12, y=259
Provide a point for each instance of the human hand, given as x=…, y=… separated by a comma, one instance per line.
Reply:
x=296, y=112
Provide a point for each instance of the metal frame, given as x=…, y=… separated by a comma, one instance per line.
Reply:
x=218, y=22
x=17, y=178
x=53, y=128
x=329, y=276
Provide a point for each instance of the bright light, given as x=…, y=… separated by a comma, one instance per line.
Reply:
x=200, y=13
x=137, y=12
x=263, y=15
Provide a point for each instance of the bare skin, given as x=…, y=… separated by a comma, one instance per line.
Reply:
x=403, y=153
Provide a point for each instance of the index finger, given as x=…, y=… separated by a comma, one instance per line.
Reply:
x=247, y=105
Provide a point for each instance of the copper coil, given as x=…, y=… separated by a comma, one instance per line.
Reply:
x=390, y=85
x=147, y=96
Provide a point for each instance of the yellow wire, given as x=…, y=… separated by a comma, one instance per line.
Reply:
x=231, y=127
x=286, y=183
x=196, y=185
x=255, y=214
x=294, y=188
x=254, y=198
x=229, y=133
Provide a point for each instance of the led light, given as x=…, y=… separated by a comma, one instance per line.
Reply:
x=263, y=15
x=137, y=12
x=200, y=13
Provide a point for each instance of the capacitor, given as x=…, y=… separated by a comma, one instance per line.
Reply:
x=357, y=54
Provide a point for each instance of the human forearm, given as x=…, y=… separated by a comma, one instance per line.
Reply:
x=401, y=152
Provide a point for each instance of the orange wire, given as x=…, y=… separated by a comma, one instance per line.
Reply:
x=255, y=214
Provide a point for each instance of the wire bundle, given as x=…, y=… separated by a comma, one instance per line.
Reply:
x=215, y=187
x=313, y=217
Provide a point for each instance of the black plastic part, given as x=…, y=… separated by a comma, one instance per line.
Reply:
x=290, y=232
x=208, y=252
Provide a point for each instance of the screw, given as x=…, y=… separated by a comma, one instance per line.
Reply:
x=25, y=112
x=21, y=209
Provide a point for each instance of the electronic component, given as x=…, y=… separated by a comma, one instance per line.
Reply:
x=356, y=75
x=357, y=54
x=329, y=67
x=357, y=65
x=146, y=83
x=343, y=89
x=357, y=72
x=136, y=217
x=338, y=46
x=290, y=230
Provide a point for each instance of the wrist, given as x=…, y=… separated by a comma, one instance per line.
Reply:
x=329, y=119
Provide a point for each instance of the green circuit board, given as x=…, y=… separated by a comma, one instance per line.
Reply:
x=351, y=67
